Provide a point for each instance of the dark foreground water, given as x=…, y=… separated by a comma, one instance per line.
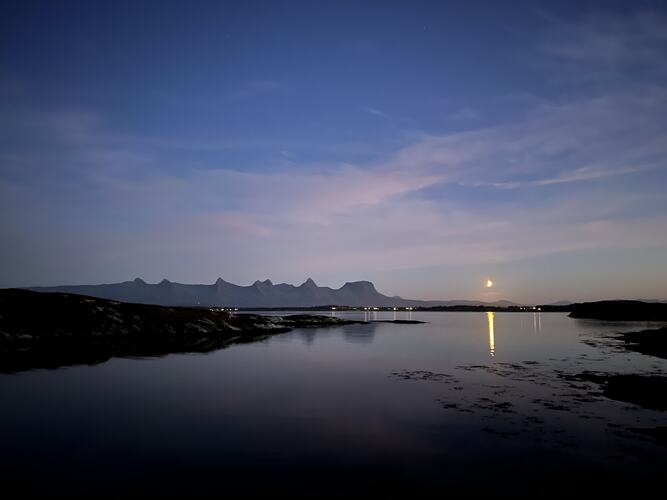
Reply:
x=470, y=402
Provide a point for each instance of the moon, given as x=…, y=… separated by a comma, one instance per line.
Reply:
x=489, y=283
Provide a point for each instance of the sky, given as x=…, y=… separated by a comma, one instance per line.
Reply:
x=424, y=146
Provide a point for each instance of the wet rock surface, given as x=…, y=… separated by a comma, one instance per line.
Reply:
x=652, y=342
x=647, y=391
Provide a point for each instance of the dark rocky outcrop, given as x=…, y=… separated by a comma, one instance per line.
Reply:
x=48, y=330
x=620, y=310
x=647, y=391
x=651, y=342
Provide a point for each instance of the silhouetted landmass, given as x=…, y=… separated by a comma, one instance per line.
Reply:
x=491, y=308
x=40, y=330
x=620, y=310
x=261, y=294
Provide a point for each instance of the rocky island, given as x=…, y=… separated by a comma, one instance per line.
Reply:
x=49, y=330
x=620, y=310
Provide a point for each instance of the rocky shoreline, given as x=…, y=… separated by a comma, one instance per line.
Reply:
x=651, y=342
x=50, y=330
x=648, y=390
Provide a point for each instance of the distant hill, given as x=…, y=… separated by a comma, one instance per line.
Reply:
x=259, y=294
x=561, y=303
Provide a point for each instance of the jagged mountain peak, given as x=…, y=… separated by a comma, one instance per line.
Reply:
x=263, y=284
x=259, y=294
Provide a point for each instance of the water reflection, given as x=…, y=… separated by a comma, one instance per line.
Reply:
x=359, y=334
x=308, y=334
x=394, y=314
x=370, y=315
x=492, y=343
x=355, y=334
x=537, y=323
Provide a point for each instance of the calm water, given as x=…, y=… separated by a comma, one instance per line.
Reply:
x=467, y=401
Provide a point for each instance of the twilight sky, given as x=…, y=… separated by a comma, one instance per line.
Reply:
x=425, y=146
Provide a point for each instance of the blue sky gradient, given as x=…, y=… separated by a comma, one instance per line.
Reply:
x=424, y=146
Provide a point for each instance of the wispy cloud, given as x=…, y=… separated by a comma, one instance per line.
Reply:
x=581, y=173
x=379, y=216
x=375, y=112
